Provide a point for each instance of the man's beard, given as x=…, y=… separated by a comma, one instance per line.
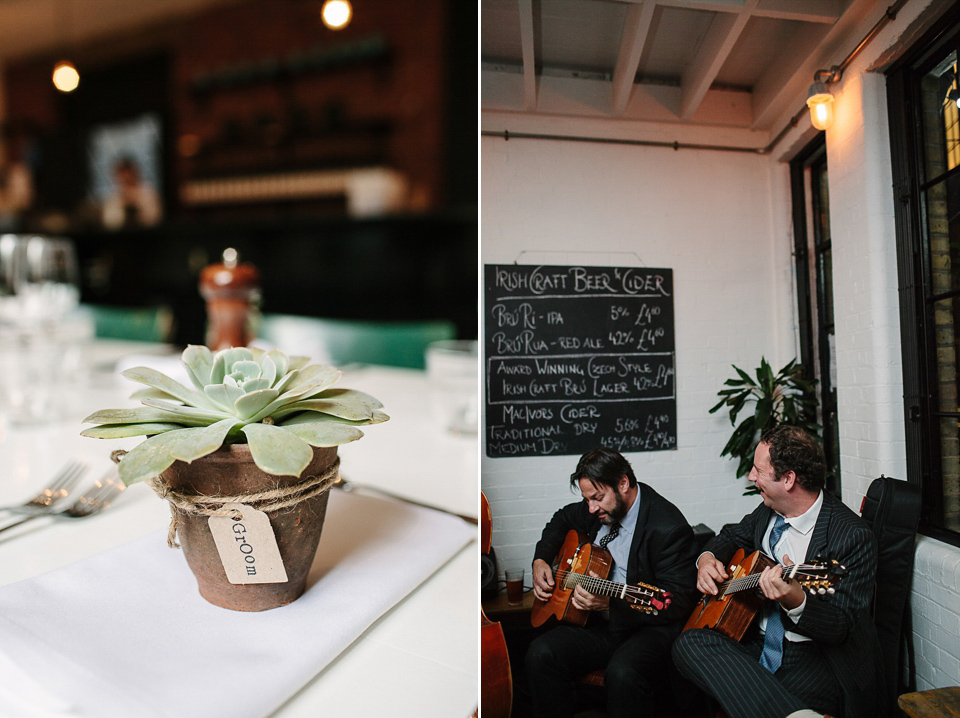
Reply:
x=619, y=511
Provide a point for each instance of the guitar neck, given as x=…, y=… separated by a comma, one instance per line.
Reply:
x=598, y=586
x=743, y=583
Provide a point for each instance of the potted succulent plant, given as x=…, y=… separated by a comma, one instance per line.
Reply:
x=257, y=432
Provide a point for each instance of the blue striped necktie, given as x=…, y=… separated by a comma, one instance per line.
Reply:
x=773, y=637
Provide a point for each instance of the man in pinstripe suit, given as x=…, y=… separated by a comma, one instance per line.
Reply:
x=650, y=541
x=810, y=652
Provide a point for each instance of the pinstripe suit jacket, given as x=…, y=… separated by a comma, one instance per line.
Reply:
x=662, y=553
x=841, y=624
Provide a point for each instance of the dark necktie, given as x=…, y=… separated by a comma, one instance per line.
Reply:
x=614, y=531
x=773, y=637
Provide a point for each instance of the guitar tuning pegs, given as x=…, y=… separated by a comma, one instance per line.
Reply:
x=570, y=562
x=821, y=590
x=831, y=590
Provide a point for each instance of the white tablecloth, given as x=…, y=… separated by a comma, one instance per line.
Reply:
x=418, y=659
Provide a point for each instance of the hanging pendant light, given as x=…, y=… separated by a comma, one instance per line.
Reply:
x=65, y=76
x=336, y=14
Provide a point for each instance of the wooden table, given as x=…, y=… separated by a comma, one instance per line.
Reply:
x=935, y=703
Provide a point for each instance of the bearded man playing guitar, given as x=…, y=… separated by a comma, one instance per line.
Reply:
x=811, y=652
x=651, y=542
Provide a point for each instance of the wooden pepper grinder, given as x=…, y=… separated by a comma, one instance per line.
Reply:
x=232, y=292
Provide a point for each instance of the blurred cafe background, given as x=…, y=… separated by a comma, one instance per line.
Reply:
x=341, y=163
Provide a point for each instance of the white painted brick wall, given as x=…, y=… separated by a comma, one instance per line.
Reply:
x=870, y=379
x=721, y=221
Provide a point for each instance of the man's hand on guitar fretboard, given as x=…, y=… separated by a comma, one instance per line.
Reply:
x=586, y=601
x=778, y=587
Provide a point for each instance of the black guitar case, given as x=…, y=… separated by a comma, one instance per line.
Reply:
x=892, y=509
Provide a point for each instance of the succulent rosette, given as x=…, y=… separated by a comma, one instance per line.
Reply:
x=280, y=406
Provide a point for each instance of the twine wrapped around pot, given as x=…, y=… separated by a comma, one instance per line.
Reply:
x=265, y=501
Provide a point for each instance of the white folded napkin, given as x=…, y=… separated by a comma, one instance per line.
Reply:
x=126, y=633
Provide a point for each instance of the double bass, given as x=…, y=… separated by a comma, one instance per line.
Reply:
x=496, y=682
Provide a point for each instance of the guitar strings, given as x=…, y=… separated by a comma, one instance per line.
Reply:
x=803, y=571
x=602, y=586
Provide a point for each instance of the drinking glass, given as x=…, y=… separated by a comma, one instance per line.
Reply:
x=39, y=342
x=452, y=370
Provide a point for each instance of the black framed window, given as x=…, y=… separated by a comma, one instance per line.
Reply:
x=922, y=93
x=814, y=266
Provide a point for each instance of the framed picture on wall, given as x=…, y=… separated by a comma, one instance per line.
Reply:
x=125, y=170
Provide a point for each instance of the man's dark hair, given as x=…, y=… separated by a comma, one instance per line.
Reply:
x=793, y=449
x=603, y=466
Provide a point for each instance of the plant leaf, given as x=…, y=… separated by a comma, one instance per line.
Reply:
x=345, y=403
x=320, y=430
x=312, y=379
x=198, y=361
x=743, y=375
x=147, y=459
x=281, y=361
x=189, y=444
x=207, y=416
x=276, y=450
x=225, y=395
x=151, y=377
x=122, y=431
x=141, y=415
x=148, y=392
x=249, y=404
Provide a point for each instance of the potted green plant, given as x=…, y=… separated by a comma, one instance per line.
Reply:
x=782, y=398
x=258, y=430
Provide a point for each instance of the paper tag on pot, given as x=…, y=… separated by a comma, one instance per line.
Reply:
x=247, y=546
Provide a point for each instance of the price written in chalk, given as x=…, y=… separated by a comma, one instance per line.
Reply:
x=576, y=356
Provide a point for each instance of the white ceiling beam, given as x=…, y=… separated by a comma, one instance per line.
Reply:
x=529, y=56
x=636, y=28
x=722, y=35
x=768, y=91
x=818, y=11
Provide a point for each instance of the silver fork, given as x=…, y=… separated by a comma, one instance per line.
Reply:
x=61, y=485
x=93, y=501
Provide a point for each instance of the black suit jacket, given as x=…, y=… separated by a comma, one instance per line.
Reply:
x=663, y=553
x=840, y=623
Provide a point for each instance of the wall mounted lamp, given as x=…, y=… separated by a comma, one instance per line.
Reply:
x=820, y=99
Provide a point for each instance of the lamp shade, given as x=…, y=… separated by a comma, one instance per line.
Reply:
x=820, y=102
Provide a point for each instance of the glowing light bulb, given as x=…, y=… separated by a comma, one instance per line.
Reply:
x=336, y=14
x=65, y=76
x=820, y=102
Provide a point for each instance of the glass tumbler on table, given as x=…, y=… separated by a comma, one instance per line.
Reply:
x=514, y=586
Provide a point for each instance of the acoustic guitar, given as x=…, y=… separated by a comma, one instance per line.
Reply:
x=576, y=560
x=739, y=598
x=496, y=680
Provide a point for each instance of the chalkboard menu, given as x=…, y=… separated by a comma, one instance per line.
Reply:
x=578, y=357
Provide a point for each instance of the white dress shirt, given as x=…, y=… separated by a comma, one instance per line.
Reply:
x=794, y=542
x=619, y=547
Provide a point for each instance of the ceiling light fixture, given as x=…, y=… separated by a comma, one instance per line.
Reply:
x=65, y=76
x=336, y=14
x=820, y=99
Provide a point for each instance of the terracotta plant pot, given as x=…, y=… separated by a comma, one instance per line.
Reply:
x=230, y=471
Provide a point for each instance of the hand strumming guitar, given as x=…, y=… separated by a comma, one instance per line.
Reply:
x=542, y=579
x=710, y=572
